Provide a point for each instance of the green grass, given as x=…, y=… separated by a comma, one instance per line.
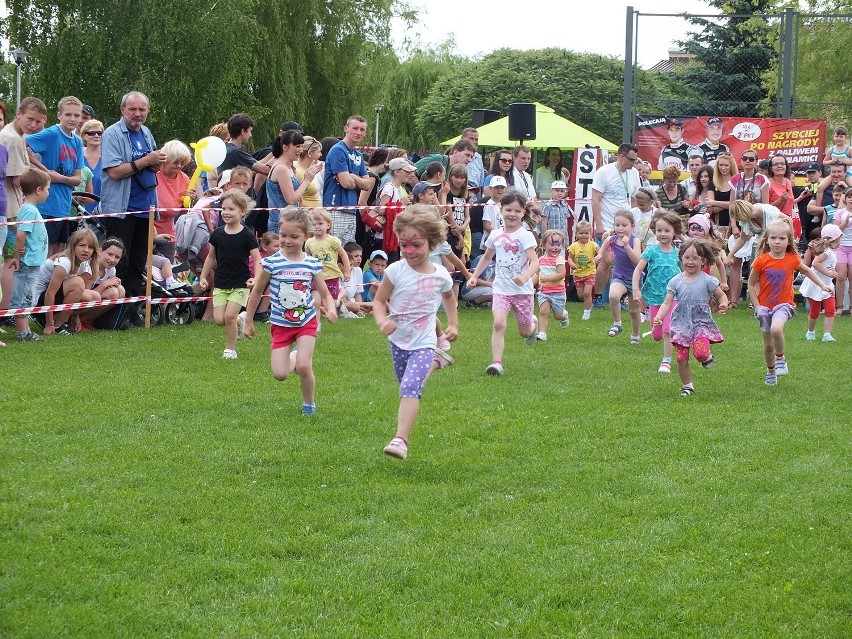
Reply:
x=148, y=488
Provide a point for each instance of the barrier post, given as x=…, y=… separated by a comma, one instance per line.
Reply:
x=150, y=269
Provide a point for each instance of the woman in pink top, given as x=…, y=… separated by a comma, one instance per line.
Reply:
x=781, y=190
x=172, y=184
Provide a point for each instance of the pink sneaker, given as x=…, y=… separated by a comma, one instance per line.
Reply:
x=397, y=448
x=442, y=359
x=443, y=342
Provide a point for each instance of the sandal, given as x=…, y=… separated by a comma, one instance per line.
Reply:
x=686, y=391
x=732, y=305
x=614, y=330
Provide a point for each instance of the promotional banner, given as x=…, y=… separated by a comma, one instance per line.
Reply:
x=671, y=140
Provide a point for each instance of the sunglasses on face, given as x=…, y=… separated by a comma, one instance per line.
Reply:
x=747, y=159
x=505, y=160
x=97, y=133
x=636, y=159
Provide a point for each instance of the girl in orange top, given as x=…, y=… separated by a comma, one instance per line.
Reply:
x=770, y=288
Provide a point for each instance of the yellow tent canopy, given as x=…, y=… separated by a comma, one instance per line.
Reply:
x=551, y=130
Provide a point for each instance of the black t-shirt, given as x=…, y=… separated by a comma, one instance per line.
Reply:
x=232, y=256
x=476, y=210
x=235, y=156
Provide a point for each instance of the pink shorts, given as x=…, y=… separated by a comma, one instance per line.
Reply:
x=665, y=327
x=521, y=304
x=844, y=254
x=581, y=282
x=283, y=336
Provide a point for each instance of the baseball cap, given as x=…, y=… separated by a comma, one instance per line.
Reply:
x=291, y=126
x=714, y=121
x=674, y=122
x=813, y=166
x=497, y=180
x=558, y=184
x=379, y=253
x=224, y=178
x=400, y=163
x=830, y=232
x=422, y=186
x=88, y=110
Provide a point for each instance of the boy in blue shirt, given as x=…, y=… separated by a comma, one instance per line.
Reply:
x=61, y=155
x=375, y=274
x=30, y=249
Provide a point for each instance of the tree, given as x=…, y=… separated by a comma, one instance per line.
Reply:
x=732, y=55
x=587, y=88
x=823, y=69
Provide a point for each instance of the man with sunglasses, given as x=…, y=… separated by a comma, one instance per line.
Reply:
x=130, y=161
x=613, y=188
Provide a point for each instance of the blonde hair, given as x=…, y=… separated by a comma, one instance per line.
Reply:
x=177, y=150
x=426, y=220
x=241, y=200
x=87, y=126
x=547, y=235
x=741, y=210
x=717, y=177
x=309, y=145
x=82, y=236
x=322, y=214
x=69, y=99
x=583, y=225
x=298, y=216
x=782, y=223
x=220, y=131
x=242, y=170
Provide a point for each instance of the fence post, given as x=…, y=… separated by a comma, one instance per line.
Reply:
x=152, y=212
x=787, y=79
x=627, y=103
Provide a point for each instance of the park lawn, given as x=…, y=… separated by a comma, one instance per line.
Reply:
x=149, y=488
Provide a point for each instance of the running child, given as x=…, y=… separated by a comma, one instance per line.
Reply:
x=646, y=206
x=405, y=309
x=517, y=263
x=329, y=251
x=551, y=281
x=824, y=263
x=770, y=288
x=293, y=317
x=622, y=250
x=660, y=264
x=692, y=324
x=581, y=259
x=231, y=246
x=699, y=228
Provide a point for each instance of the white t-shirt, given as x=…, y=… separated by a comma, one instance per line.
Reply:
x=107, y=274
x=414, y=303
x=355, y=284
x=491, y=213
x=616, y=188
x=642, y=226
x=511, y=260
x=45, y=273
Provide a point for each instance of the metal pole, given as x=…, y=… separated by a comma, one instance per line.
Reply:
x=627, y=104
x=18, y=86
x=152, y=213
x=787, y=81
x=377, y=128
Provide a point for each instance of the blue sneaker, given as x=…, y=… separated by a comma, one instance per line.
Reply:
x=309, y=409
x=598, y=302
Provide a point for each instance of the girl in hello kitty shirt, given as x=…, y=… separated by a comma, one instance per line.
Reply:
x=517, y=262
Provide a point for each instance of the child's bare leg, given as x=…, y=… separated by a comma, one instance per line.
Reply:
x=283, y=363
x=303, y=362
x=498, y=334
x=769, y=350
x=543, y=316
x=73, y=289
x=636, y=321
x=231, y=312
x=587, y=297
x=616, y=292
x=777, y=332
x=684, y=371
x=409, y=408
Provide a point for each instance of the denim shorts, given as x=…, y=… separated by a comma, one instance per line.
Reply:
x=23, y=287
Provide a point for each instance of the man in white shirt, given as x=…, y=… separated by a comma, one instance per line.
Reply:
x=695, y=163
x=475, y=170
x=613, y=188
x=521, y=157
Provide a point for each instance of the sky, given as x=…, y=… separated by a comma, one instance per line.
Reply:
x=579, y=25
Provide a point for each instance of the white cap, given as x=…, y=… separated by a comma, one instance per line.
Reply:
x=497, y=180
x=559, y=184
x=379, y=253
x=224, y=178
x=831, y=232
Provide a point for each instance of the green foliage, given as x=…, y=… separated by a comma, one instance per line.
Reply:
x=150, y=489
x=824, y=70
x=732, y=56
x=586, y=88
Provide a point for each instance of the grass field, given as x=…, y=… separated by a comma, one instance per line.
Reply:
x=149, y=488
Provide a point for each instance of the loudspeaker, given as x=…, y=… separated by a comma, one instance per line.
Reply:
x=521, y=121
x=484, y=116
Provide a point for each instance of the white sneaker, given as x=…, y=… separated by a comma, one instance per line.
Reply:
x=643, y=318
x=229, y=354
x=345, y=313
x=534, y=335
x=241, y=324
x=495, y=369
x=781, y=367
x=587, y=315
x=542, y=337
x=443, y=343
x=564, y=323
x=397, y=448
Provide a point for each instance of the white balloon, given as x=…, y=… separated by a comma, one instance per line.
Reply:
x=213, y=153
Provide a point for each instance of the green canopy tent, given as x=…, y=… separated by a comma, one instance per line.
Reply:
x=551, y=130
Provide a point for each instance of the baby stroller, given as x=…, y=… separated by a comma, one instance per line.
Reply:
x=94, y=224
x=176, y=314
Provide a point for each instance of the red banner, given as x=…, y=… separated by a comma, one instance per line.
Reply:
x=672, y=140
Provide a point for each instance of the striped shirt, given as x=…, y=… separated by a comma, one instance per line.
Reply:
x=290, y=288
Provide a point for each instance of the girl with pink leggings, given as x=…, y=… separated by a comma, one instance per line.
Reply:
x=843, y=220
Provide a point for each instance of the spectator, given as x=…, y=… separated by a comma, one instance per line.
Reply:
x=345, y=173
x=671, y=194
x=130, y=162
x=311, y=149
x=87, y=114
x=30, y=118
x=781, y=191
x=461, y=152
x=552, y=171
x=613, y=188
x=482, y=293
x=501, y=165
x=555, y=213
x=475, y=170
x=60, y=153
x=92, y=134
x=523, y=181
x=695, y=162
x=282, y=187
x=172, y=185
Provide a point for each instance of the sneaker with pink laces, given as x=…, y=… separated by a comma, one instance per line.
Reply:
x=442, y=359
x=443, y=342
x=397, y=447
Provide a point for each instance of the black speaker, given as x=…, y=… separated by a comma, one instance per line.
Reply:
x=521, y=121
x=484, y=116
